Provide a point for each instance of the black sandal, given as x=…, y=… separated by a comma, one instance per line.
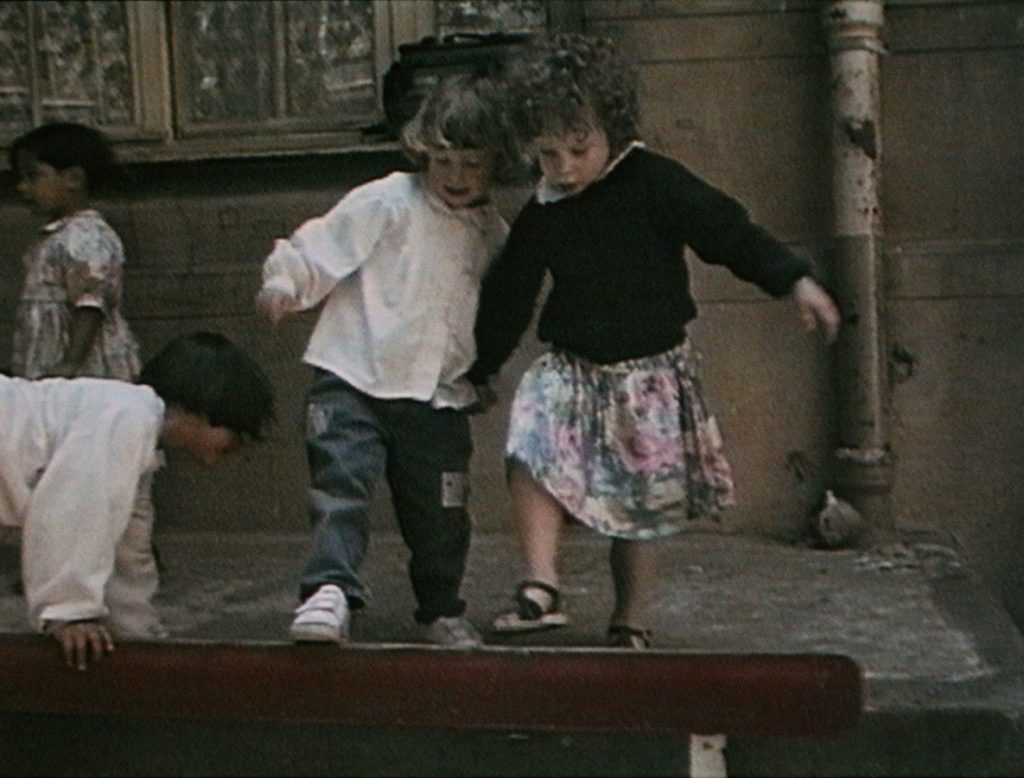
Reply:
x=622, y=636
x=529, y=614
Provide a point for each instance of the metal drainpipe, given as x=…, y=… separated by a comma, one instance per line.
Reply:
x=863, y=460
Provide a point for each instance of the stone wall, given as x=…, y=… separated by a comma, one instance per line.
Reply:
x=737, y=90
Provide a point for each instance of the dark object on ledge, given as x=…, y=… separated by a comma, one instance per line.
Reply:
x=422, y=65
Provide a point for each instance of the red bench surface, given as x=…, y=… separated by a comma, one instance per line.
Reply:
x=545, y=689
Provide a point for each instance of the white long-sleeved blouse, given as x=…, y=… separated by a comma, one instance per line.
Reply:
x=399, y=273
x=72, y=455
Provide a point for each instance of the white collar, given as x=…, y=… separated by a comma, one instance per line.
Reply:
x=58, y=224
x=546, y=193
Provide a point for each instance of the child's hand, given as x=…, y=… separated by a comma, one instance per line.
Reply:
x=79, y=640
x=485, y=399
x=274, y=304
x=817, y=309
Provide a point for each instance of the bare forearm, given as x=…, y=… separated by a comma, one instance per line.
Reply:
x=85, y=329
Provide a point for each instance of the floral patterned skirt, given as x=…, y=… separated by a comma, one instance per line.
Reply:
x=629, y=448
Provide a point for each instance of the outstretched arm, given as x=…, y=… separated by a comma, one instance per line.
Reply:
x=816, y=307
x=306, y=267
x=79, y=510
x=507, y=299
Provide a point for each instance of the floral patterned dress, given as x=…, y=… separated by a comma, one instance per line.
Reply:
x=627, y=448
x=77, y=263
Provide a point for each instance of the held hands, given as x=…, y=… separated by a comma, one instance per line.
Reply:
x=80, y=640
x=816, y=307
x=274, y=304
x=485, y=399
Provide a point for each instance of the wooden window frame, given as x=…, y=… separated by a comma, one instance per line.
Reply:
x=159, y=90
x=150, y=87
x=394, y=24
x=280, y=125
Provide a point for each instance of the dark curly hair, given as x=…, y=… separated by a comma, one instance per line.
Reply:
x=564, y=83
x=464, y=113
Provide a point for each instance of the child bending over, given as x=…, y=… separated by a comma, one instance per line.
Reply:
x=398, y=262
x=76, y=459
x=610, y=426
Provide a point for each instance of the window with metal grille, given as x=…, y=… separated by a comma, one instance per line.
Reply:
x=175, y=79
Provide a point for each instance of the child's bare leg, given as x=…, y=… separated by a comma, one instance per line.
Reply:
x=634, y=566
x=538, y=524
x=538, y=518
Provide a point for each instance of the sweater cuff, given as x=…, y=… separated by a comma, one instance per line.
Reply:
x=477, y=376
x=784, y=283
x=281, y=284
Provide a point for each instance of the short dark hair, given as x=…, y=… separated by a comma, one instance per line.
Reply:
x=562, y=83
x=464, y=112
x=207, y=374
x=65, y=145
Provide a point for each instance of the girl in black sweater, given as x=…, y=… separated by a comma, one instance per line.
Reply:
x=609, y=426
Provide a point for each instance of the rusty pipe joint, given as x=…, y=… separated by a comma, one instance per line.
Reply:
x=854, y=24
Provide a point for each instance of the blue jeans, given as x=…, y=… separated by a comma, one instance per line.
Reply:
x=352, y=441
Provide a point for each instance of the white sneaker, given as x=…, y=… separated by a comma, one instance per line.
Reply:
x=453, y=632
x=322, y=618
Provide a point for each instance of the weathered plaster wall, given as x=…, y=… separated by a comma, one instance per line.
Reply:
x=737, y=90
x=953, y=110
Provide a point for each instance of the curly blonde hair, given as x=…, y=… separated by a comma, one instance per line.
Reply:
x=464, y=113
x=566, y=83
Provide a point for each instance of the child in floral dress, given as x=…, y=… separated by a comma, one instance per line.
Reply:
x=69, y=320
x=610, y=426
